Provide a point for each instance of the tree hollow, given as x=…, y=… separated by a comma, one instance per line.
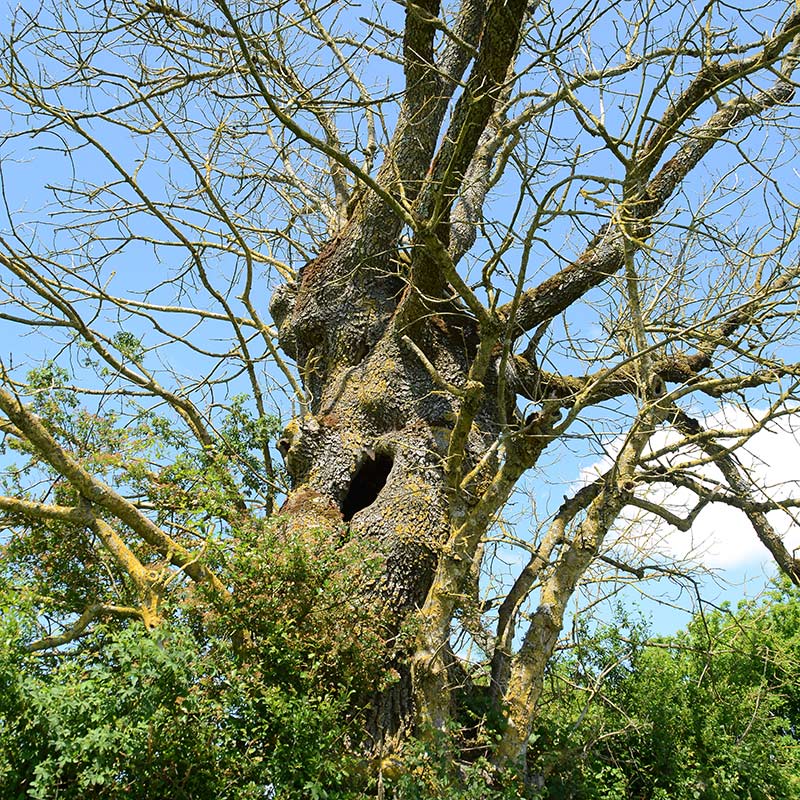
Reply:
x=366, y=485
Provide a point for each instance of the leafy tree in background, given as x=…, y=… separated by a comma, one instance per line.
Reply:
x=497, y=240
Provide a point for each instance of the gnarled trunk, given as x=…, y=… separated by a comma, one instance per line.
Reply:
x=371, y=451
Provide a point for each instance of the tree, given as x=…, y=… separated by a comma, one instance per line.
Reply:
x=505, y=234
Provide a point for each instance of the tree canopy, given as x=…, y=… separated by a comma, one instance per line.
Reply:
x=348, y=342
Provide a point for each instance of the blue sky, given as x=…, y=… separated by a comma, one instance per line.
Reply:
x=30, y=166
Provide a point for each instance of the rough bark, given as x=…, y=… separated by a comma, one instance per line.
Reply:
x=372, y=451
x=403, y=378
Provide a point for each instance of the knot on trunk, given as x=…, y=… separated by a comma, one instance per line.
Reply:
x=281, y=308
x=299, y=444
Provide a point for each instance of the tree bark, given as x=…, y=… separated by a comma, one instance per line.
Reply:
x=371, y=453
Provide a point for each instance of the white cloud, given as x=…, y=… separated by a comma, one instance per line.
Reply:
x=721, y=536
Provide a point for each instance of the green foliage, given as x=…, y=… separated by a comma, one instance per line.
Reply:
x=301, y=591
x=47, y=385
x=117, y=719
x=710, y=714
x=138, y=450
x=197, y=493
x=129, y=345
x=268, y=693
x=199, y=708
x=430, y=770
x=246, y=436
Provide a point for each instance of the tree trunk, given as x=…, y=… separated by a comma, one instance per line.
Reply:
x=371, y=450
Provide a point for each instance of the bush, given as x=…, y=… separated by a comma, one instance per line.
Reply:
x=708, y=714
x=182, y=711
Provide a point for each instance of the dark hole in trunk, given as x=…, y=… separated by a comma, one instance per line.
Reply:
x=366, y=485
